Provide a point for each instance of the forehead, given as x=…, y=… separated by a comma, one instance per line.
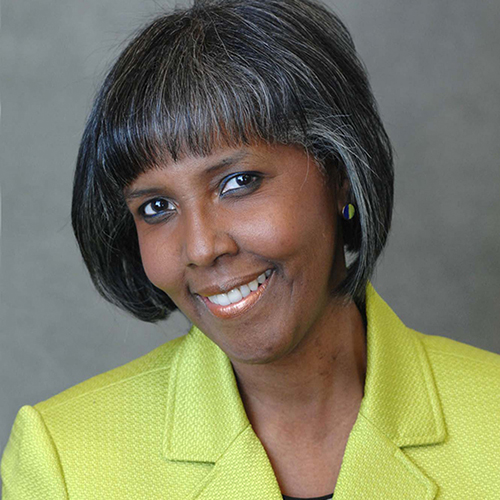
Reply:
x=221, y=159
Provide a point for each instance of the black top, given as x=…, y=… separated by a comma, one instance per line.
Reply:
x=326, y=497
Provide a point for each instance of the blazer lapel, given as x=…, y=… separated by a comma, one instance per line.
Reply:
x=400, y=408
x=243, y=472
x=206, y=421
x=375, y=468
x=205, y=413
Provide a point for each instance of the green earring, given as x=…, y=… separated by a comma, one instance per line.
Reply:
x=348, y=211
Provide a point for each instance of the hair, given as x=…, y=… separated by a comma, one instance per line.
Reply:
x=229, y=72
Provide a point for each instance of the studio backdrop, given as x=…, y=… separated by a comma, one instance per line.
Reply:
x=435, y=71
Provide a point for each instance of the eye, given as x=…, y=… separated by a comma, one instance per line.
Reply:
x=156, y=207
x=240, y=181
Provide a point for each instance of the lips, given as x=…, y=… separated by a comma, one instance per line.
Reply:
x=240, y=307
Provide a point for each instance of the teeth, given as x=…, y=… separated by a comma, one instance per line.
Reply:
x=223, y=299
x=253, y=285
x=236, y=294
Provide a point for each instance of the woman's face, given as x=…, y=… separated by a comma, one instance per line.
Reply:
x=222, y=223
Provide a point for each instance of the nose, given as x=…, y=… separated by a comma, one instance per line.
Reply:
x=206, y=237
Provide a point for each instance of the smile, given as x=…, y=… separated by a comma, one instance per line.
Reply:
x=239, y=299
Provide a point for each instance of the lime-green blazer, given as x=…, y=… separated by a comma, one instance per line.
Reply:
x=171, y=425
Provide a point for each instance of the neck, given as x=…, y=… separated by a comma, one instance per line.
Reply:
x=321, y=380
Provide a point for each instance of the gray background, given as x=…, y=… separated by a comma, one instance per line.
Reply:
x=435, y=71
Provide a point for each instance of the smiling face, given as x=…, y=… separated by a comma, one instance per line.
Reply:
x=246, y=243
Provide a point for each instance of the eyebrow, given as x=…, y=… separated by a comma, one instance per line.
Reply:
x=227, y=162
x=132, y=194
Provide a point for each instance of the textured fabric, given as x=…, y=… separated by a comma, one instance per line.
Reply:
x=171, y=425
x=326, y=497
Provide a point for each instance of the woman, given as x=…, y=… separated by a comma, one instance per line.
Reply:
x=234, y=166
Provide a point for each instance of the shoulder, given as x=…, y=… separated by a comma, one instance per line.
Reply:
x=463, y=374
x=146, y=371
x=92, y=430
x=452, y=355
x=466, y=381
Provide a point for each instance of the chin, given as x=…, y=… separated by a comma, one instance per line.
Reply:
x=261, y=354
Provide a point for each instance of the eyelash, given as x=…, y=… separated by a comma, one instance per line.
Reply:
x=253, y=184
x=150, y=217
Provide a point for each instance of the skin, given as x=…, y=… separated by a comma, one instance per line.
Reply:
x=299, y=354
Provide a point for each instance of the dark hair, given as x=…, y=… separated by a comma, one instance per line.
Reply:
x=232, y=72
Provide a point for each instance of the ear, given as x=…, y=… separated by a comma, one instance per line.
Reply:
x=343, y=190
x=338, y=182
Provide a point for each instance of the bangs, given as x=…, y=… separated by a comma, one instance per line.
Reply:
x=229, y=73
x=180, y=95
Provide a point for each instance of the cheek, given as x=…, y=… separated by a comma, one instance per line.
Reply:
x=289, y=228
x=158, y=260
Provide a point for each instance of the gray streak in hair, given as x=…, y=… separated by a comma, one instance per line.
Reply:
x=229, y=72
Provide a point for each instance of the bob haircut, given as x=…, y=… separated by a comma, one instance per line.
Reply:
x=229, y=72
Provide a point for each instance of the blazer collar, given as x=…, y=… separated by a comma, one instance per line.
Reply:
x=204, y=409
x=400, y=396
x=400, y=408
x=206, y=420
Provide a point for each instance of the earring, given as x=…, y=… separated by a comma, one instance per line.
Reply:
x=348, y=211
